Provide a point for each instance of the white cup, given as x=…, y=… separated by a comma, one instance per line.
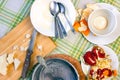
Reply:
x=105, y=24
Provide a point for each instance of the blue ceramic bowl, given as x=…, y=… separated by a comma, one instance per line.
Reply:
x=55, y=69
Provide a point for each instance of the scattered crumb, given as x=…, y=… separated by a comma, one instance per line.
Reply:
x=23, y=40
x=79, y=11
x=27, y=36
x=39, y=47
x=10, y=58
x=15, y=47
x=3, y=64
x=6, y=60
x=22, y=48
x=26, y=48
x=16, y=63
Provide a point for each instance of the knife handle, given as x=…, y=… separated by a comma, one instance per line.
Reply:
x=26, y=63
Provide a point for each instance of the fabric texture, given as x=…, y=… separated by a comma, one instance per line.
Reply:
x=13, y=12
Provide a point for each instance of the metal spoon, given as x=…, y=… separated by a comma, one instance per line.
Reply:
x=61, y=27
x=54, y=11
x=62, y=10
x=42, y=61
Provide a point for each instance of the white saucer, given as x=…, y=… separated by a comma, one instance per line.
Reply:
x=110, y=38
x=110, y=52
x=42, y=19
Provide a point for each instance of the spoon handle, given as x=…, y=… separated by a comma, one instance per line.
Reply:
x=61, y=26
x=71, y=27
x=56, y=27
x=59, y=29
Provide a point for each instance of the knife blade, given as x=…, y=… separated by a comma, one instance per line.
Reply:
x=28, y=54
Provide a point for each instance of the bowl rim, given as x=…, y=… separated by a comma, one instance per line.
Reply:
x=92, y=14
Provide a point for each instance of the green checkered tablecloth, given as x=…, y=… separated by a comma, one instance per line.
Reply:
x=13, y=12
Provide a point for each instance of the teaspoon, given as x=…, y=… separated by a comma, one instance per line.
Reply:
x=62, y=10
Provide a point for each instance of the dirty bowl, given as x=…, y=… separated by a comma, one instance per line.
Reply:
x=102, y=22
x=55, y=69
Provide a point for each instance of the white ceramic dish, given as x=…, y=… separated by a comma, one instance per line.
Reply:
x=109, y=51
x=42, y=19
x=114, y=35
x=109, y=25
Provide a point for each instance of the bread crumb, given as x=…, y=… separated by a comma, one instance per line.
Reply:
x=22, y=48
x=16, y=63
x=3, y=64
x=15, y=47
x=26, y=48
x=39, y=47
x=10, y=58
x=24, y=40
x=80, y=11
x=27, y=36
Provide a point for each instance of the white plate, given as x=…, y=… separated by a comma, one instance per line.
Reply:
x=42, y=19
x=108, y=51
x=110, y=38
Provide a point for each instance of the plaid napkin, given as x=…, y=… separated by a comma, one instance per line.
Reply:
x=13, y=12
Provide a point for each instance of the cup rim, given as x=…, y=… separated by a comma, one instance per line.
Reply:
x=90, y=16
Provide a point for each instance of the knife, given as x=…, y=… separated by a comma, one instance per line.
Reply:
x=28, y=54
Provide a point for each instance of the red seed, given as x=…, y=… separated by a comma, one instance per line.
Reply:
x=91, y=72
